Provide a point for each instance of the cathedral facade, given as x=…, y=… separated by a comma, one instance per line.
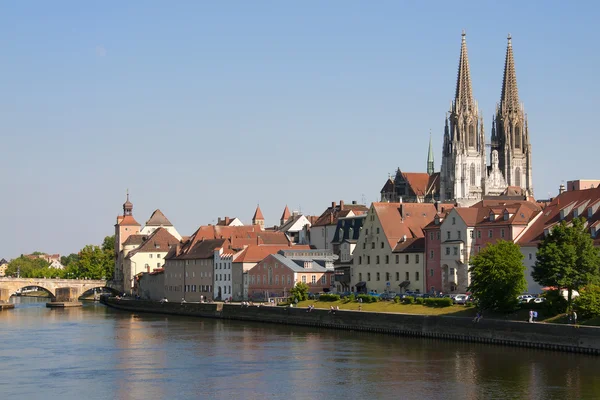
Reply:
x=465, y=176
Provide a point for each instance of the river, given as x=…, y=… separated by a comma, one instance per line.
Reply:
x=95, y=352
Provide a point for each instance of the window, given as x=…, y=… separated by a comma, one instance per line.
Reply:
x=378, y=276
x=264, y=279
x=451, y=271
x=367, y=231
x=447, y=251
x=455, y=250
x=376, y=259
x=502, y=233
x=471, y=233
x=372, y=245
x=157, y=265
x=490, y=233
x=406, y=259
x=378, y=230
x=397, y=276
x=368, y=259
x=407, y=276
x=478, y=234
x=397, y=259
x=360, y=276
x=289, y=280
x=530, y=256
x=382, y=245
x=430, y=235
x=417, y=258
x=387, y=259
x=331, y=279
x=431, y=272
x=447, y=235
x=369, y=276
x=150, y=255
x=324, y=279
x=431, y=254
x=303, y=278
x=458, y=235
x=277, y=279
x=364, y=246
x=417, y=276
x=359, y=260
x=439, y=234
x=472, y=173
x=453, y=220
x=387, y=276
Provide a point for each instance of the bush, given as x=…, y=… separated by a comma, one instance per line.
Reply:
x=469, y=304
x=555, y=302
x=408, y=300
x=588, y=302
x=397, y=299
x=367, y=298
x=351, y=298
x=329, y=297
x=438, y=302
x=419, y=300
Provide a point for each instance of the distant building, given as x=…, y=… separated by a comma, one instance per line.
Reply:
x=344, y=242
x=324, y=228
x=226, y=221
x=294, y=227
x=3, y=266
x=151, y=285
x=582, y=184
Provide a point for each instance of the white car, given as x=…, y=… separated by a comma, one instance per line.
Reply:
x=539, y=300
x=461, y=298
x=525, y=298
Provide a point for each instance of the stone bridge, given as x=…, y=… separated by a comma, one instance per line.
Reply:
x=11, y=285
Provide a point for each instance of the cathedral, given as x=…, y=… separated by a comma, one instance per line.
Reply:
x=465, y=176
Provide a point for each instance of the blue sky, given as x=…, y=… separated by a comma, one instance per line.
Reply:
x=204, y=109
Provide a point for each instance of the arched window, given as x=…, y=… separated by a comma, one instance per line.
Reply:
x=518, y=177
x=472, y=174
x=518, y=138
x=471, y=136
x=270, y=276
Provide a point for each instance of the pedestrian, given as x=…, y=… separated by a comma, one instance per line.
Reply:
x=535, y=315
x=477, y=317
x=531, y=316
x=574, y=318
x=360, y=307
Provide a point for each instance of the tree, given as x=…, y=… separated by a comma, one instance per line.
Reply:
x=300, y=291
x=498, y=276
x=66, y=260
x=588, y=302
x=93, y=263
x=109, y=243
x=26, y=267
x=567, y=259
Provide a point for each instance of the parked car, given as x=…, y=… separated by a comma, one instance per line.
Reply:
x=461, y=299
x=525, y=298
x=539, y=300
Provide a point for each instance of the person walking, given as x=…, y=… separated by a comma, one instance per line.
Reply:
x=531, y=316
x=574, y=318
x=535, y=315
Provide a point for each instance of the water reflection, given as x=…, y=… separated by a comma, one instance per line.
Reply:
x=94, y=352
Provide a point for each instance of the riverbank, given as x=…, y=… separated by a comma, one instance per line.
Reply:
x=513, y=333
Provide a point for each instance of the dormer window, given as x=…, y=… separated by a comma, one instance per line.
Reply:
x=590, y=212
x=576, y=213
x=506, y=215
x=492, y=216
x=437, y=220
x=546, y=232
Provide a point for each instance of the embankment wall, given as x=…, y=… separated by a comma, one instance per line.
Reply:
x=513, y=333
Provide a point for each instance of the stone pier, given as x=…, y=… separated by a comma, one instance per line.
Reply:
x=5, y=299
x=65, y=297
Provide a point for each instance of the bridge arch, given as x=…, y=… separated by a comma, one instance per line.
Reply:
x=90, y=291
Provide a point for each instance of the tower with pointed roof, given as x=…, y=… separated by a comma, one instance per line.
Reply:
x=463, y=167
x=285, y=216
x=430, y=162
x=125, y=227
x=258, y=218
x=510, y=133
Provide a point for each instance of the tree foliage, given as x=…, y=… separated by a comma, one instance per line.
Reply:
x=300, y=291
x=67, y=260
x=588, y=302
x=498, y=276
x=567, y=258
x=26, y=267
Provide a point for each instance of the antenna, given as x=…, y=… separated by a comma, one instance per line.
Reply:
x=363, y=199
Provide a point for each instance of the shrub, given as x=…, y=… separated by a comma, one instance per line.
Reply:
x=408, y=300
x=588, y=302
x=419, y=300
x=397, y=299
x=438, y=302
x=352, y=297
x=329, y=297
x=367, y=298
x=555, y=302
x=469, y=304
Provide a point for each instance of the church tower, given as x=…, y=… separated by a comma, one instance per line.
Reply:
x=430, y=162
x=510, y=133
x=463, y=168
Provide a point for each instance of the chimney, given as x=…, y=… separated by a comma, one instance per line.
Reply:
x=219, y=220
x=333, y=204
x=341, y=204
x=354, y=202
x=561, y=189
x=227, y=220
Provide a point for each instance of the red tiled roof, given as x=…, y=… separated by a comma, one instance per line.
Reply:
x=128, y=220
x=286, y=214
x=404, y=219
x=158, y=219
x=388, y=187
x=331, y=214
x=159, y=241
x=418, y=182
x=258, y=214
x=254, y=253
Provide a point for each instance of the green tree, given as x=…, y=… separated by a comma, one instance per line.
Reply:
x=498, y=276
x=567, y=259
x=109, y=244
x=26, y=267
x=66, y=260
x=300, y=291
x=93, y=263
x=588, y=302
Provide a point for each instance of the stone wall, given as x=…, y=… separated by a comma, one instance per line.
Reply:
x=514, y=333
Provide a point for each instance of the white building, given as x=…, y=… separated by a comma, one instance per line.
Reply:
x=223, y=287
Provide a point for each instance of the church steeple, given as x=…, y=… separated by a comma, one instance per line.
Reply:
x=430, y=162
x=509, y=99
x=463, y=98
x=127, y=206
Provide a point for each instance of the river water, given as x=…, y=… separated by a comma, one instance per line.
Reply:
x=95, y=352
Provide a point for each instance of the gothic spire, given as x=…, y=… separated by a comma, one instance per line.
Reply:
x=510, y=94
x=430, y=157
x=463, y=98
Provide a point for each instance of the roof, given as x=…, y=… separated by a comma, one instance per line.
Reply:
x=331, y=214
x=571, y=203
x=413, y=245
x=3, y=261
x=128, y=220
x=196, y=249
x=256, y=253
x=159, y=241
x=134, y=240
x=403, y=219
x=262, y=237
x=418, y=181
x=298, y=265
x=258, y=214
x=348, y=228
x=158, y=219
x=388, y=187
x=286, y=214
x=291, y=221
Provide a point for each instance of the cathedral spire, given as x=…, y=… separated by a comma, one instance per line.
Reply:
x=430, y=161
x=509, y=100
x=463, y=99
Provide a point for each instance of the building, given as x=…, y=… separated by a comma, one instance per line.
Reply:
x=189, y=269
x=246, y=259
x=294, y=227
x=324, y=228
x=159, y=220
x=278, y=273
x=145, y=253
x=222, y=273
x=465, y=177
x=151, y=285
x=343, y=243
x=3, y=267
x=566, y=206
x=226, y=221
x=388, y=256
x=581, y=184
x=258, y=219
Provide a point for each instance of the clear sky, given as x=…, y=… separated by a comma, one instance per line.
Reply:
x=204, y=109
